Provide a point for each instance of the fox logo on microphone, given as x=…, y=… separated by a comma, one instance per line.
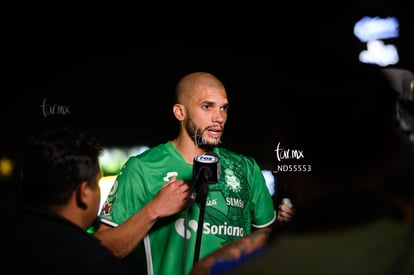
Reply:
x=207, y=167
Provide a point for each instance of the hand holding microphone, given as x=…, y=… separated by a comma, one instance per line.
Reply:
x=170, y=199
x=286, y=210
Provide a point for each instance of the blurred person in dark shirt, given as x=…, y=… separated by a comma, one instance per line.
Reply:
x=61, y=198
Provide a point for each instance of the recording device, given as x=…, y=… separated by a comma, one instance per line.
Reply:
x=206, y=168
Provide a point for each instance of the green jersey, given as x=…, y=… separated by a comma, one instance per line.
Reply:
x=237, y=202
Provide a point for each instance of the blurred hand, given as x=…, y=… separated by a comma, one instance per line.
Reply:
x=286, y=211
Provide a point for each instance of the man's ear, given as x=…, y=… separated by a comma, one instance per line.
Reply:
x=179, y=111
x=82, y=193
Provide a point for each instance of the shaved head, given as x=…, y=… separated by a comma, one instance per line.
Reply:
x=191, y=83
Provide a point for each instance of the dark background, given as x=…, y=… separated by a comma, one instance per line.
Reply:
x=117, y=77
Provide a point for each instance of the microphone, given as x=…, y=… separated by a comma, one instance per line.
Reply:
x=206, y=168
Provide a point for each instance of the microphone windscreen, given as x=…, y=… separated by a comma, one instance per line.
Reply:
x=209, y=164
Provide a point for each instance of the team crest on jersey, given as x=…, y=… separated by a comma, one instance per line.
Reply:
x=231, y=180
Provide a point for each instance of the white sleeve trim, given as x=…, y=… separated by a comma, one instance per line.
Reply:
x=109, y=223
x=267, y=224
